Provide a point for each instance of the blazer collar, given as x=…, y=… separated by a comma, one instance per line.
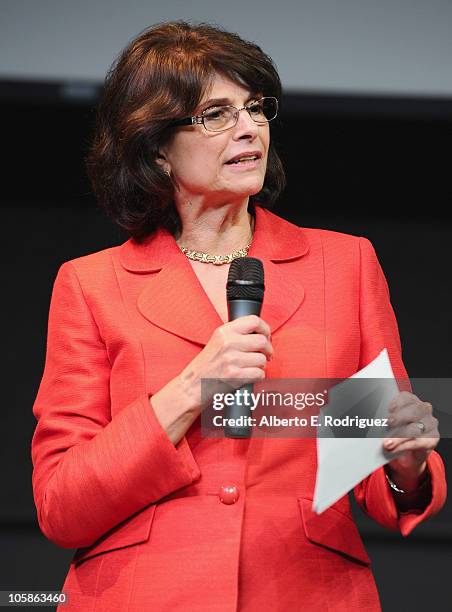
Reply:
x=274, y=238
x=175, y=300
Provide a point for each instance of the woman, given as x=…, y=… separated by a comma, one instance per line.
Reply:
x=163, y=517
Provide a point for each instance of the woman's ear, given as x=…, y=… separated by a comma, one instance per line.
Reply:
x=163, y=163
x=161, y=160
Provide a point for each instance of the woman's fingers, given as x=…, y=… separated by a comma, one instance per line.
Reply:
x=410, y=412
x=402, y=444
x=251, y=360
x=250, y=324
x=256, y=343
x=248, y=334
x=412, y=424
x=410, y=417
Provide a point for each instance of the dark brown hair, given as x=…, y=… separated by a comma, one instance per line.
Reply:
x=162, y=75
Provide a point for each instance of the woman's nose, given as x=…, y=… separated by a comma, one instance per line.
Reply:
x=245, y=126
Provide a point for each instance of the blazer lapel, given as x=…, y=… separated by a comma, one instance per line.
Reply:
x=284, y=294
x=279, y=245
x=174, y=299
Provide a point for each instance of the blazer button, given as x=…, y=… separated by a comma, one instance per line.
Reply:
x=229, y=494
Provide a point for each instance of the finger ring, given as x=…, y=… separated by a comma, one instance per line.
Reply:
x=421, y=426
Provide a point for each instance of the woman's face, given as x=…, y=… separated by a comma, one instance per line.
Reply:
x=198, y=158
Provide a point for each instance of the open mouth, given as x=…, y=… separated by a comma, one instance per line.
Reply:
x=244, y=159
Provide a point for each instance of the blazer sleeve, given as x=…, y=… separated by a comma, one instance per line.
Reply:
x=379, y=330
x=90, y=472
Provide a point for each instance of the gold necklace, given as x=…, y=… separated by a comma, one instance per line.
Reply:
x=216, y=260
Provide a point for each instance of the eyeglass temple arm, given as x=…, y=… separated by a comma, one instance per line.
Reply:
x=187, y=121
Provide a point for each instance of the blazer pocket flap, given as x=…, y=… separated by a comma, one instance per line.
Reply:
x=334, y=530
x=133, y=530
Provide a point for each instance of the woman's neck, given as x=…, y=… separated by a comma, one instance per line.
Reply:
x=215, y=230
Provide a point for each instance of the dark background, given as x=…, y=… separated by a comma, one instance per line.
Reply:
x=372, y=166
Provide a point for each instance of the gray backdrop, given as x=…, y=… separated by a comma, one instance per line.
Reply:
x=361, y=46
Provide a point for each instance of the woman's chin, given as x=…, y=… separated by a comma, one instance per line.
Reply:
x=248, y=188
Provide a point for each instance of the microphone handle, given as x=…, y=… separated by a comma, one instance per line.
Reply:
x=236, y=309
x=239, y=410
x=242, y=308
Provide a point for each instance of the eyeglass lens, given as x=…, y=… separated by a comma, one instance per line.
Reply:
x=223, y=117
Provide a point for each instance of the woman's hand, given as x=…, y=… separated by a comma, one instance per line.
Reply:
x=406, y=413
x=238, y=349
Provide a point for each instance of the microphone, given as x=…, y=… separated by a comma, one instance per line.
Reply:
x=245, y=294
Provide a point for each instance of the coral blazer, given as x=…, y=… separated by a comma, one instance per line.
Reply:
x=151, y=521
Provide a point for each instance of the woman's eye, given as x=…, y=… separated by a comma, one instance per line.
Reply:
x=214, y=113
x=255, y=108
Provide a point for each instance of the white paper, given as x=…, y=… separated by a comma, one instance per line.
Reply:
x=343, y=462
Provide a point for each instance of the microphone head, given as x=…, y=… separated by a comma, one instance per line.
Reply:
x=246, y=280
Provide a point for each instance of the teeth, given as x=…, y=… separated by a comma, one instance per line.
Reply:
x=250, y=157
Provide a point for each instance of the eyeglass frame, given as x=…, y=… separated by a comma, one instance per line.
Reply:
x=199, y=119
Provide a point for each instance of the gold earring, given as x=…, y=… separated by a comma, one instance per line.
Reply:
x=171, y=178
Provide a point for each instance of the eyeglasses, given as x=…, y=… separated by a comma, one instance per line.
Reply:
x=220, y=118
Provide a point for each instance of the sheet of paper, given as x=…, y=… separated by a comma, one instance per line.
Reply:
x=343, y=462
